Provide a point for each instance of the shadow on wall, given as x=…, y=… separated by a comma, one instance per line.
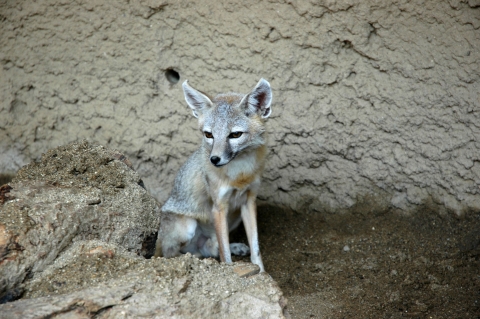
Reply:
x=5, y=178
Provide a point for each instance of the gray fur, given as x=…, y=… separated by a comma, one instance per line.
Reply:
x=181, y=200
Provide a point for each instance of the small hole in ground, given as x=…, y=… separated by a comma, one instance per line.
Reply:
x=172, y=76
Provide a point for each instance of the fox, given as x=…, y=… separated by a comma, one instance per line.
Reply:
x=216, y=189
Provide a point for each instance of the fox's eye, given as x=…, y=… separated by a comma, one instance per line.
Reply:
x=208, y=134
x=235, y=134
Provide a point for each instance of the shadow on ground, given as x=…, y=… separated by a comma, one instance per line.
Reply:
x=383, y=266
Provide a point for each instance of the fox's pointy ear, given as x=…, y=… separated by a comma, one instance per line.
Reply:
x=260, y=98
x=197, y=101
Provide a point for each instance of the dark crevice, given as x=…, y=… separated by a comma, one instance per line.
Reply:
x=127, y=296
x=11, y=295
x=99, y=313
x=148, y=246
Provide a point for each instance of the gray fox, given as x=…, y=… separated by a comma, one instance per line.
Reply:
x=217, y=187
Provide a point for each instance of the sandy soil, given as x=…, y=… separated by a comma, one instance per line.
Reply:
x=385, y=265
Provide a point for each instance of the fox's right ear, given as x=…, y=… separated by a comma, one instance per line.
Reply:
x=197, y=101
x=260, y=98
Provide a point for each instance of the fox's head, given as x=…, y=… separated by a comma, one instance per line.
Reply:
x=231, y=123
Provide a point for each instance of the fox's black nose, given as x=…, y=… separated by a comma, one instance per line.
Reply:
x=214, y=160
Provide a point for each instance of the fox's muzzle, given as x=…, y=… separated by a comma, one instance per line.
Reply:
x=221, y=153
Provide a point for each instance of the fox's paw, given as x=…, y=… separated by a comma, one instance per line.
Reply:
x=209, y=248
x=239, y=249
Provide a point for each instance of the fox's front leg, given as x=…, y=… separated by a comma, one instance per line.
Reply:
x=249, y=217
x=221, y=229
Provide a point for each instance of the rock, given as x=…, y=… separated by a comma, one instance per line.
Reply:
x=71, y=233
x=5, y=193
x=184, y=287
x=75, y=192
x=82, y=304
x=246, y=269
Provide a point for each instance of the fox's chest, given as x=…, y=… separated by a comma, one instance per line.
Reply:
x=234, y=192
x=237, y=198
x=242, y=181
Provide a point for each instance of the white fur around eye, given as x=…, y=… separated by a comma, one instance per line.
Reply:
x=209, y=140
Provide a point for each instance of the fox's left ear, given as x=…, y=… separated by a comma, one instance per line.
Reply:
x=260, y=98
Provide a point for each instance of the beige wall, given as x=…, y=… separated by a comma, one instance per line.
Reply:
x=376, y=104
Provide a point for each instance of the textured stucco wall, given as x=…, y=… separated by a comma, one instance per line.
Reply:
x=376, y=103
